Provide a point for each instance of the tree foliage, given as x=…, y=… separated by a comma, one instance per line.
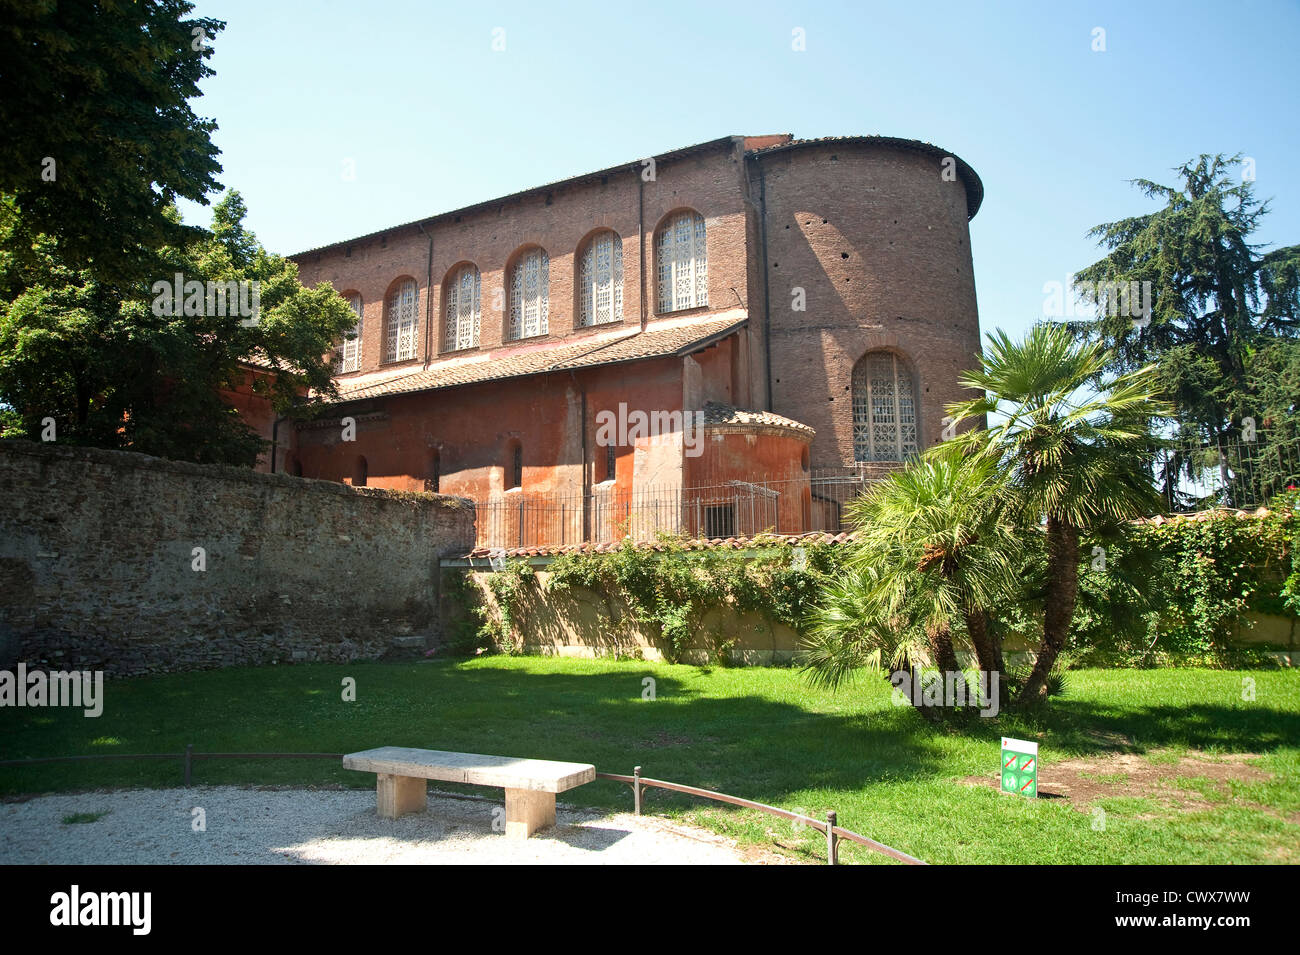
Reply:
x=98, y=358
x=1224, y=310
x=100, y=138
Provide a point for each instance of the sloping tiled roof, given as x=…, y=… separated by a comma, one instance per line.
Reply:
x=716, y=413
x=718, y=543
x=516, y=362
x=974, y=186
x=258, y=359
x=635, y=165
x=1213, y=514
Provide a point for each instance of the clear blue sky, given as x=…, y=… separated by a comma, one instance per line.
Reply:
x=433, y=118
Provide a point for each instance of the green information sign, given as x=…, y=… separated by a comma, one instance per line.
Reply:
x=1019, y=767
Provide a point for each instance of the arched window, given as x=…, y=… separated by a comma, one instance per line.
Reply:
x=530, y=294
x=884, y=408
x=462, y=321
x=682, y=263
x=350, y=350
x=401, y=329
x=600, y=280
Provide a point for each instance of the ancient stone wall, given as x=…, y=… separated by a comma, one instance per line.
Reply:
x=133, y=564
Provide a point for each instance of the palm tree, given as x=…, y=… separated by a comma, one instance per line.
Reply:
x=1074, y=447
x=934, y=552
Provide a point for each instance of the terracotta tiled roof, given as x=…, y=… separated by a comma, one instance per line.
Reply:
x=1213, y=514
x=258, y=359
x=722, y=543
x=716, y=413
x=516, y=362
x=635, y=166
x=974, y=188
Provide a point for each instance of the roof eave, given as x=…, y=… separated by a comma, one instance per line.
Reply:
x=633, y=166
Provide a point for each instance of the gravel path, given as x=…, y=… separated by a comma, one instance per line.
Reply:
x=328, y=827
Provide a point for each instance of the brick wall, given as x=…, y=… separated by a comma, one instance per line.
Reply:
x=561, y=220
x=878, y=240
x=96, y=563
x=874, y=234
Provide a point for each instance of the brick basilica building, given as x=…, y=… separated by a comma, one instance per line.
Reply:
x=748, y=311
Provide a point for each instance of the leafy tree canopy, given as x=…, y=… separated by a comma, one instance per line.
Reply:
x=1218, y=301
x=123, y=365
x=99, y=135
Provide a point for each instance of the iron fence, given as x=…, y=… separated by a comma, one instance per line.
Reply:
x=1241, y=474
x=1190, y=477
x=733, y=508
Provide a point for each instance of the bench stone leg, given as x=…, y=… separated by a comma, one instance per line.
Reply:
x=527, y=811
x=398, y=795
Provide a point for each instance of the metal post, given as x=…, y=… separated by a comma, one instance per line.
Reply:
x=189, y=749
x=636, y=789
x=832, y=851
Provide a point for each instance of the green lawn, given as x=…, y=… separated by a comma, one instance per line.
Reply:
x=759, y=733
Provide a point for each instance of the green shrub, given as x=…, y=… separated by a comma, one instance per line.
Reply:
x=1179, y=589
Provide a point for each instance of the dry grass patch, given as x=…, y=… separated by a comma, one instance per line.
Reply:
x=1187, y=782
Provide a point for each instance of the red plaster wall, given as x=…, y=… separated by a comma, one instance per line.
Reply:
x=756, y=456
x=470, y=429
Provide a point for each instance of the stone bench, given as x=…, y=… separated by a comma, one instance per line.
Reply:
x=530, y=784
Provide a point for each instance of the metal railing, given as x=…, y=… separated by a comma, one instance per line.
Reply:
x=829, y=827
x=1190, y=477
x=733, y=508
x=1241, y=474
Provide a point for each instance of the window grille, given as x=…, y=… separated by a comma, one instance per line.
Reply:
x=463, y=319
x=400, y=323
x=350, y=350
x=884, y=409
x=601, y=280
x=530, y=295
x=720, y=520
x=682, y=263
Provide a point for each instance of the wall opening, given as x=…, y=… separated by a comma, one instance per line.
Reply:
x=514, y=465
x=611, y=463
x=884, y=408
x=433, y=472
x=720, y=520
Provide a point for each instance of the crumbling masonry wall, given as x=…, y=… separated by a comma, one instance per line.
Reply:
x=98, y=563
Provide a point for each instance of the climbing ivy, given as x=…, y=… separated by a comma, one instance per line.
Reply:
x=507, y=586
x=1183, y=586
x=464, y=615
x=671, y=587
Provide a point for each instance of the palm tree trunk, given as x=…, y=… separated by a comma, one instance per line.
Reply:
x=931, y=713
x=1058, y=605
x=988, y=649
x=945, y=657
